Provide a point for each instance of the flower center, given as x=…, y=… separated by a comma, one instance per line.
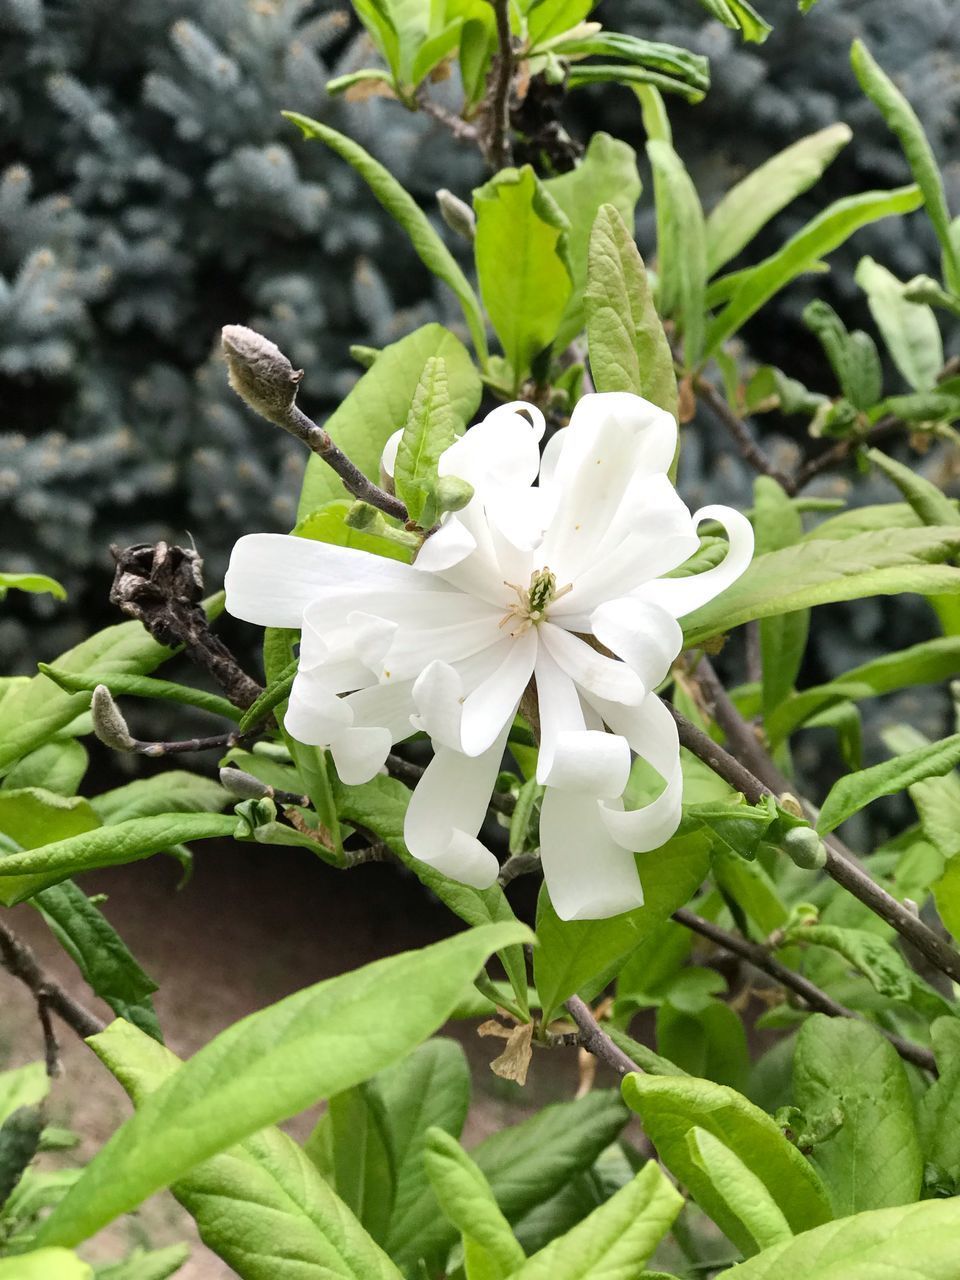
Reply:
x=532, y=601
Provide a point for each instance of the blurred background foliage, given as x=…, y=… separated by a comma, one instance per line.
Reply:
x=150, y=192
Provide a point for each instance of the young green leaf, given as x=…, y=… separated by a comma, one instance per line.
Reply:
x=22, y=874
x=929, y=502
x=616, y=1240
x=747, y=1199
x=871, y=1160
x=22, y=1087
x=362, y=1159
x=36, y=583
x=909, y=329
x=311, y=1045
x=522, y=264
x=379, y=404
x=491, y=1251
x=56, y=766
x=153, y=1264
x=672, y=1106
x=855, y=791
x=681, y=248
x=430, y=249
x=903, y=121
x=174, y=791
x=45, y=1264
x=739, y=16
x=783, y=637
x=748, y=207
x=628, y=348
x=921, y=1241
x=276, y=692
x=826, y=232
x=575, y=955
x=815, y=571
x=262, y=1191
x=607, y=175
x=141, y=687
x=431, y=427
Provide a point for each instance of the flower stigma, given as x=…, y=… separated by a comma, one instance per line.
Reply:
x=532, y=601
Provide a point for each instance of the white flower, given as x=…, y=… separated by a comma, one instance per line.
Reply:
x=557, y=587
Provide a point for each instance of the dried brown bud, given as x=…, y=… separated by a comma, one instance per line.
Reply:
x=260, y=373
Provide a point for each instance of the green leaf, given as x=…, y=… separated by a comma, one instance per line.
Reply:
x=826, y=232
x=739, y=16
x=938, y=1112
x=815, y=571
x=853, y=356
x=616, y=1240
x=100, y=954
x=628, y=348
x=783, y=637
x=380, y=806
x=379, y=405
x=335, y=524
x=930, y=503
x=22, y=1087
x=909, y=329
x=36, y=583
x=741, y=1190
x=490, y=1248
x=35, y=711
x=19, y=1143
x=155, y=1264
x=430, y=249
x=747, y=207
x=33, y=817
x=430, y=429
x=173, y=791
x=261, y=1205
x=313, y=1044
x=577, y=954
x=56, y=766
x=276, y=692
x=903, y=121
x=522, y=264
x=709, y=1040
x=671, y=1106
x=681, y=248
x=926, y=663
x=428, y=1090
x=607, y=175
x=45, y=1264
x=362, y=1161
x=141, y=687
x=872, y=1160
x=857, y=790
x=22, y=874
x=881, y=965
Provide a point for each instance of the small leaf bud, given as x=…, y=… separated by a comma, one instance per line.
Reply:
x=458, y=216
x=805, y=848
x=243, y=785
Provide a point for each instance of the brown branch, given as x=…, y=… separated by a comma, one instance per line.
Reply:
x=162, y=587
x=265, y=379
x=20, y=961
x=461, y=129
x=839, y=453
x=840, y=865
x=499, y=152
x=595, y=1040
x=748, y=447
x=813, y=998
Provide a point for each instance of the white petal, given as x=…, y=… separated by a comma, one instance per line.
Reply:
x=272, y=577
x=388, y=459
x=412, y=649
x=452, y=543
x=572, y=756
x=589, y=877
x=494, y=702
x=438, y=697
x=651, y=430
x=645, y=636
x=447, y=810
x=681, y=596
x=314, y=715
x=359, y=754
x=501, y=450
x=602, y=677
x=384, y=706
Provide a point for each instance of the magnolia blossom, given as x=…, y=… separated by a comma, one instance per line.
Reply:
x=556, y=589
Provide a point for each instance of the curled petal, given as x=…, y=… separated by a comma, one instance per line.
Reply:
x=359, y=754
x=644, y=635
x=598, y=676
x=589, y=876
x=573, y=756
x=447, y=810
x=272, y=577
x=388, y=458
x=438, y=697
x=681, y=596
x=314, y=714
x=493, y=703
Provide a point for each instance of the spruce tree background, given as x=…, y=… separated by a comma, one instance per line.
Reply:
x=150, y=192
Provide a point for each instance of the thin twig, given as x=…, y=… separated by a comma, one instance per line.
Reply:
x=51, y=1049
x=748, y=447
x=20, y=961
x=759, y=956
x=596, y=1041
x=500, y=151
x=184, y=746
x=461, y=129
x=839, y=865
x=841, y=451
x=520, y=864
